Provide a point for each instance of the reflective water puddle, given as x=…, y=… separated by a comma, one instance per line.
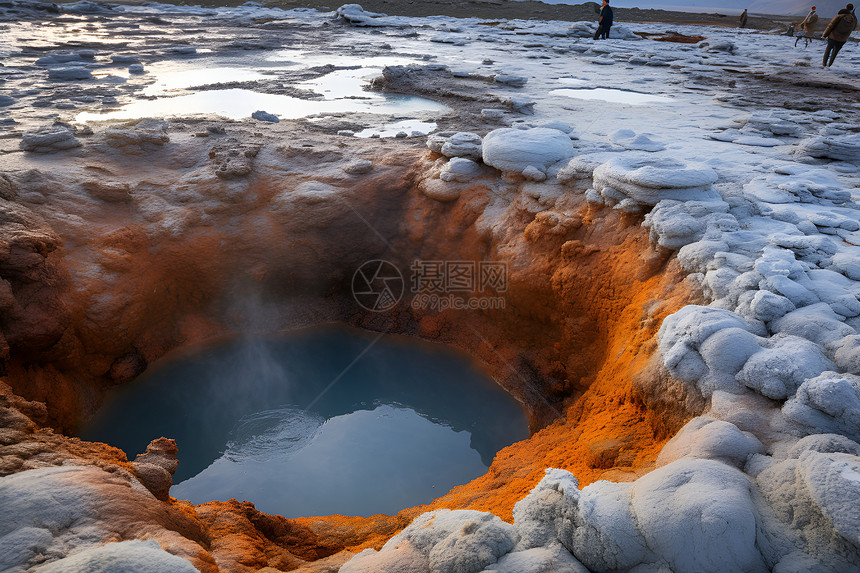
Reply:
x=317, y=422
x=409, y=127
x=611, y=95
x=342, y=90
x=170, y=81
x=241, y=103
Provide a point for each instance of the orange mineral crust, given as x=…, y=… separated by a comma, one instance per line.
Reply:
x=606, y=280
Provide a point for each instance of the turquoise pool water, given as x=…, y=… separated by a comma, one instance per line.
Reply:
x=318, y=421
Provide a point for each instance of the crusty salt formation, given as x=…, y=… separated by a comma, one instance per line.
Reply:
x=516, y=150
x=843, y=147
x=648, y=180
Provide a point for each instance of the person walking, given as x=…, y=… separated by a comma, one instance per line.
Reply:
x=807, y=26
x=837, y=33
x=742, y=19
x=604, y=22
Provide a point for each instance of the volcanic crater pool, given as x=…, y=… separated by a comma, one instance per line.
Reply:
x=317, y=421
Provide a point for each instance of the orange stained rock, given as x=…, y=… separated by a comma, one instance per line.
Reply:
x=622, y=290
x=239, y=533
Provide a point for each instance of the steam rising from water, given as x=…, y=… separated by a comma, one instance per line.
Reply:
x=394, y=422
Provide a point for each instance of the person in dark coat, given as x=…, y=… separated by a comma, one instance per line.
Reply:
x=837, y=33
x=604, y=22
x=742, y=19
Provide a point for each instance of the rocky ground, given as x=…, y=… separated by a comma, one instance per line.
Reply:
x=681, y=315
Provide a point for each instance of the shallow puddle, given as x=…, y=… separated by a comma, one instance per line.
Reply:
x=304, y=58
x=317, y=422
x=170, y=81
x=172, y=94
x=611, y=95
x=408, y=126
x=241, y=103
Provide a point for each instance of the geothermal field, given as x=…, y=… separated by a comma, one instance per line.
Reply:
x=325, y=289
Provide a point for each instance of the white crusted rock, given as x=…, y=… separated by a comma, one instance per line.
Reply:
x=654, y=521
x=843, y=148
x=492, y=114
x=122, y=557
x=403, y=558
x=725, y=353
x=703, y=504
x=837, y=290
x=532, y=173
x=826, y=404
x=460, y=169
x=603, y=532
x=674, y=224
x=358, y=167
x=144, y=132
x=767, y=306
x=847, y=263
x=516, y=149
x=461, y=541
x=777, y=371
x=511, y=80
x=70, y=74
x=539, y=517
x=580, y=168
x=695, y=256
x=19, y=546
x=795, y=292
x=553, y=558
x=49, y=140
x=816, y=322
x=818, y=496
x=435, y=141
x=650, y=179
x=355, y=15
x=825, y=444
x=479, y=541
x=708, y=438
x=462, y=144
x=847, y=353
x=629, y=139
x=717, y=46
x=683, y=333
x=85, y=507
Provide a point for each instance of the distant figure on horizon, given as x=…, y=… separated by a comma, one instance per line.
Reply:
x=837, y=33
x=807, y=26
x=742, y=20
x=604, y=22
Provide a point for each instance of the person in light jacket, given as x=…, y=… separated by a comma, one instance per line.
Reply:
x=837, y=33
x=808, y=25
x=742, y=19
x=604, y=22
